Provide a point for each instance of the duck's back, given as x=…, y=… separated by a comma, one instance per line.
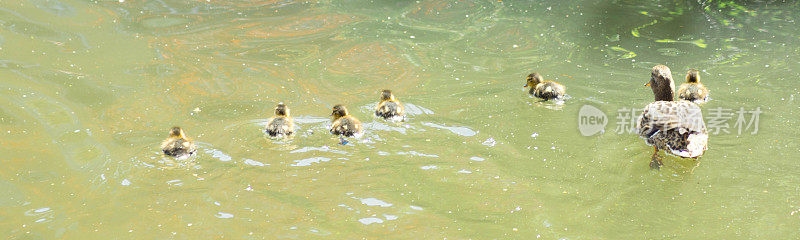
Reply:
x=280, y=126
x=693, y=92
x=674, y=126
x=389, y=109
x=548, y=90
x=346, y=126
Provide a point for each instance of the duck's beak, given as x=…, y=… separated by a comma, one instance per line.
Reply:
x=526, y=85
x=647, y=84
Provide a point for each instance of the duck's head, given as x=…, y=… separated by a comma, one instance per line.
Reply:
x=661, y=83
x=338, y=111
x=692, y=76
x=533, y=80
x=282, y=110
x=176, y=132
x=386, y=95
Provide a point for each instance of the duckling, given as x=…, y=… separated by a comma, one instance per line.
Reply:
x=281, y=124
x=389, y=107
x=676, y=127
x=344, y=124
x=693, y=90
x=545, y=90
x=178, y=145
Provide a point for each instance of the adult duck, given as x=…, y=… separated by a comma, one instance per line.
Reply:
x=676, y=127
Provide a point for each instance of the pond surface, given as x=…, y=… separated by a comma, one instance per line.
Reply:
x=90, y=88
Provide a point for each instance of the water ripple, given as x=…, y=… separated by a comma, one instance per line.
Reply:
x=375, y=202
x=321, y=149
x=309, y=161
x=463, y=131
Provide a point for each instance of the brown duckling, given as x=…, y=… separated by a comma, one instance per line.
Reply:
x=693, y=90
x=178, y=145
x=545, y=90
x=389, y=107
x=676, y=127
x=344, y=124
x=281, y=124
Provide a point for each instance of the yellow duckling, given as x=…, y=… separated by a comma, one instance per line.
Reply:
x=545, y=90
x=676, y=127
x=281, y=124
x=693, y=90
x=389, y=107
x=178, y=145
x=344, y=124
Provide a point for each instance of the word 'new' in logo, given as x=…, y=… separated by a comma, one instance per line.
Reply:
x=591, y=120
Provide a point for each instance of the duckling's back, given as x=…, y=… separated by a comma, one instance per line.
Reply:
x=389, y=109
x=280, y=126
x=693, y=92
x=346, y=126
x=178, y=147
x=548, y=90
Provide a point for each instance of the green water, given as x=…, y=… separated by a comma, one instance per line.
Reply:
x=90, y=88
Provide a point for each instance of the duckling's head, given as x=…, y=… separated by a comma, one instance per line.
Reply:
x=661, y=83
x=693, y=76
x=533, y=80
x=386, y=95
x=339, y=111
x=282, y=110
x=176, y=132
